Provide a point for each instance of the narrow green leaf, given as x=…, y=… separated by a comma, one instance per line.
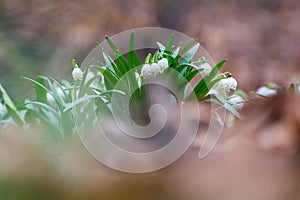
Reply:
x=41, y=93
x=186, y=48
x=11, y=108
x=187, y=58
x=133, y=58
x=203, y=87
x=170, y=44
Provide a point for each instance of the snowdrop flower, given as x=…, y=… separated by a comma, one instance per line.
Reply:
x=149, y=71
x=50, y=98
x=2, y=109
x=213, y=91
x=266, y=92
x=59, y=92
x=206, y=68
x=237, y=101
x=227, y=84
x=77, y=74
x=163, y=64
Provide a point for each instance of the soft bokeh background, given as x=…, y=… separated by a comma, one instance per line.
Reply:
x=260, y=38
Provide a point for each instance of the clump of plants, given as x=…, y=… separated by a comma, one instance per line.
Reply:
x=52, y=110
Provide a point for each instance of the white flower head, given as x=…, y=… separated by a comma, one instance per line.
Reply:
x=206, y=68
x=2, y=109
x=150, y=71
x=77, y=74
x=50, y=98
x=237, y=101
x=227, y=84
x=266, y=92
x=59, y=92
x=163, y=64
x=213, y=91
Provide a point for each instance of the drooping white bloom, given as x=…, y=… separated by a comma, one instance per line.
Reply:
x=77, y=74
x=59, y=92
x=2, y=109
x=266, y=92
x=237, y=101
x=163, y=64
x=206, y=68
x=146, y=71
x=150, y=71
x=50, y=98
x=227, y=84
x=213, y=91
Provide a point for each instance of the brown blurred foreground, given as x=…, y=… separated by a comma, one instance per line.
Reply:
x=258, y=158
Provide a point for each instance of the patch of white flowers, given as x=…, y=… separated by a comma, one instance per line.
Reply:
x=266, y=92
x=77, y=74
x=151, y=70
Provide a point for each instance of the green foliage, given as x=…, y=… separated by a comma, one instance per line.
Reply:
x=56, y=100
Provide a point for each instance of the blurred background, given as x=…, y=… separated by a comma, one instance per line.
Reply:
x=260, y=38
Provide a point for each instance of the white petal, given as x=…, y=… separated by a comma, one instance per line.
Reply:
x=77, y=74
x=237, y=101
x=266, y=92
x=50, y=98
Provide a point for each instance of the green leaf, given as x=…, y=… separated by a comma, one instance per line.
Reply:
x=161, y=47
x=121, y=62
x=187, y=58
x=11, y=108
x=170, y=44
x=227, y=105
x=189, y=76
x=41, y=93
x=133, y=58
x=186, y=48
x=203, y=87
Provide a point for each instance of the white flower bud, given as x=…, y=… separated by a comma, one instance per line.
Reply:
x=227, y=84
x=163, y=64
x=206, y=68
x=155, y=69
x=237, y=101
x=266, y=92
x=150, y=71
x=146, y=72
x=2, y=109
x=77, y=74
